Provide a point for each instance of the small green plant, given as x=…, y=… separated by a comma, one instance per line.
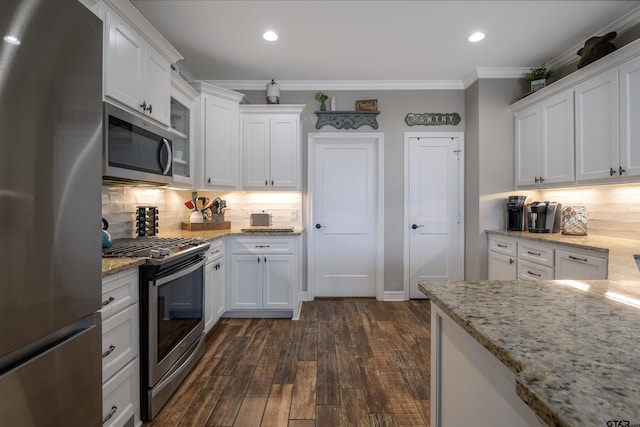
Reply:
x=321, y=96
x=539, y=73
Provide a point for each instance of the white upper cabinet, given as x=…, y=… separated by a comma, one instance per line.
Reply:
x=584, y=125
x=218, y=166
x=184, y=100
x=271, y=146
x=544, y=142
x=137, y=62
x=597, y=127
x=629, y=122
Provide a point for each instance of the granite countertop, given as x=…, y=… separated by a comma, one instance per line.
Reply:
x=112, y=266
x=575, y=352
x=622, y=265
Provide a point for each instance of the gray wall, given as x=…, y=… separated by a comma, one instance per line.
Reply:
x=489, y=165
x=393, y=106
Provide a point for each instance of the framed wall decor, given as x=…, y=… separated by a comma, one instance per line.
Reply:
x=367, y=105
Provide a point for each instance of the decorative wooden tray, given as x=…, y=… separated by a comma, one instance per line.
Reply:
x=211, y=225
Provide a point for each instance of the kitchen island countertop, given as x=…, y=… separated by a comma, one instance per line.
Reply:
x=112, y=266
x=575, y=351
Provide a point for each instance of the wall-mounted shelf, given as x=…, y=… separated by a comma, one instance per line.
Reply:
x=347, y=119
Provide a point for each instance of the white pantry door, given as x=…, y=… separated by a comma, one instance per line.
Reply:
x=434, y=211
x=343, y=192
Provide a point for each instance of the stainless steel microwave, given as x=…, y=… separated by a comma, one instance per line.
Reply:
x=135, y=150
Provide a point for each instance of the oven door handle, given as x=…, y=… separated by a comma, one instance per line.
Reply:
x=161, y=281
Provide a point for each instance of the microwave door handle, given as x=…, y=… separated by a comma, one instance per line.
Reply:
x=168, y=147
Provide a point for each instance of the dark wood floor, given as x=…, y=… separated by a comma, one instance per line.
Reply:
x=346, y=362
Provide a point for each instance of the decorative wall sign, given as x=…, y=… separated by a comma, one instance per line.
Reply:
x=367, y=105
x=432, y=119
x=347, y=119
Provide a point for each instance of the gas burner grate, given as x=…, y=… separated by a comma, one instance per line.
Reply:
x=140, y=247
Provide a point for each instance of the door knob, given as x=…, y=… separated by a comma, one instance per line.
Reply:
x=415, y=226
x=318, y=226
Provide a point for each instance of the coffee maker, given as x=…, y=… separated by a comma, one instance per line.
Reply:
x=516, y=219
x=544, y=217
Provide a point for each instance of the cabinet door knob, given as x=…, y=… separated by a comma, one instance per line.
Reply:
x=258, y=260
x=541, y=179
x=111, y=413
x=144, y=105
x=109, y=351
x=150, y=109
x=209, y=181
x=266, y=183
x=416, y=226
x=511, y=261
x=612, y=171
x=536, y=180
x=621, y=171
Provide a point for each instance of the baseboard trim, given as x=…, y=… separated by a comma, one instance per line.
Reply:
x=394, y=296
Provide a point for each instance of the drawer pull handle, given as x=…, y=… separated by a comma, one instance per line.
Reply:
x=111, y=413
x=108, y=352
x=502, y=246
x=578, y=259
x=533, y=274
x=109, y=301
x=511, y=261
x=533, y=253
x=262, y=246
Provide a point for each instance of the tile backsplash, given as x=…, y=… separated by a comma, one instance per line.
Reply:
x=612, y=210
x=119, y=205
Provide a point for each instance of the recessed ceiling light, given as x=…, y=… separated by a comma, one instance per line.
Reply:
x=476, y=37
x=12, y=40
x=270, y=36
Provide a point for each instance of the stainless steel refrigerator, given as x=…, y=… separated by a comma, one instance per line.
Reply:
x=50, y=210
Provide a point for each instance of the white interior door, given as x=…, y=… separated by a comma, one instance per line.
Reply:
x=343, y=192
x=434, y=211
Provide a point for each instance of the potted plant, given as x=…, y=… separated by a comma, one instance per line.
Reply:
x=322, y=97
x=538, y=77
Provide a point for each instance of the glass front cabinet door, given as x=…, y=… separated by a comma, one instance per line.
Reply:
x=183, y=101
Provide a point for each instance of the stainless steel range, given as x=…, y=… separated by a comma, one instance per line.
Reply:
x=171, y=312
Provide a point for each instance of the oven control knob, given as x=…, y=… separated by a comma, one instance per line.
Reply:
x=155, y=253
x=197, y=241
x=164, y=252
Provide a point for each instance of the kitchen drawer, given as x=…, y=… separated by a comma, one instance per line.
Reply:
x=121, y=396
x=216, y=249
x=540, y=254
x=119, y=340
x=119, y=291
x=503, y=245
x=272, y=245
x=532, y=271
x=580, y=266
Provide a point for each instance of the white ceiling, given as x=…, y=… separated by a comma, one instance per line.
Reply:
x=416, y=42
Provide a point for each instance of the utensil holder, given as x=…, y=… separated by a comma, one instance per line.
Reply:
x=147, y=220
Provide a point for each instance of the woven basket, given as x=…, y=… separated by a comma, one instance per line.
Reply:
x=574, y=220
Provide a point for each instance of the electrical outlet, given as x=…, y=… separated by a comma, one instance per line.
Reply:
x=294, y=213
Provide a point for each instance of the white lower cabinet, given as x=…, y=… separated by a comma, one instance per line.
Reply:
x=511, y=258
x=503, y=257
x=214, y=286
x=466, y=379
x=584, y=265
x=264, y=274
x=120, y=350
x=531, y=271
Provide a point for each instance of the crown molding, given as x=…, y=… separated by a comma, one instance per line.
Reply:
x=494, y=73
x=315, y=85
x=620, y=26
